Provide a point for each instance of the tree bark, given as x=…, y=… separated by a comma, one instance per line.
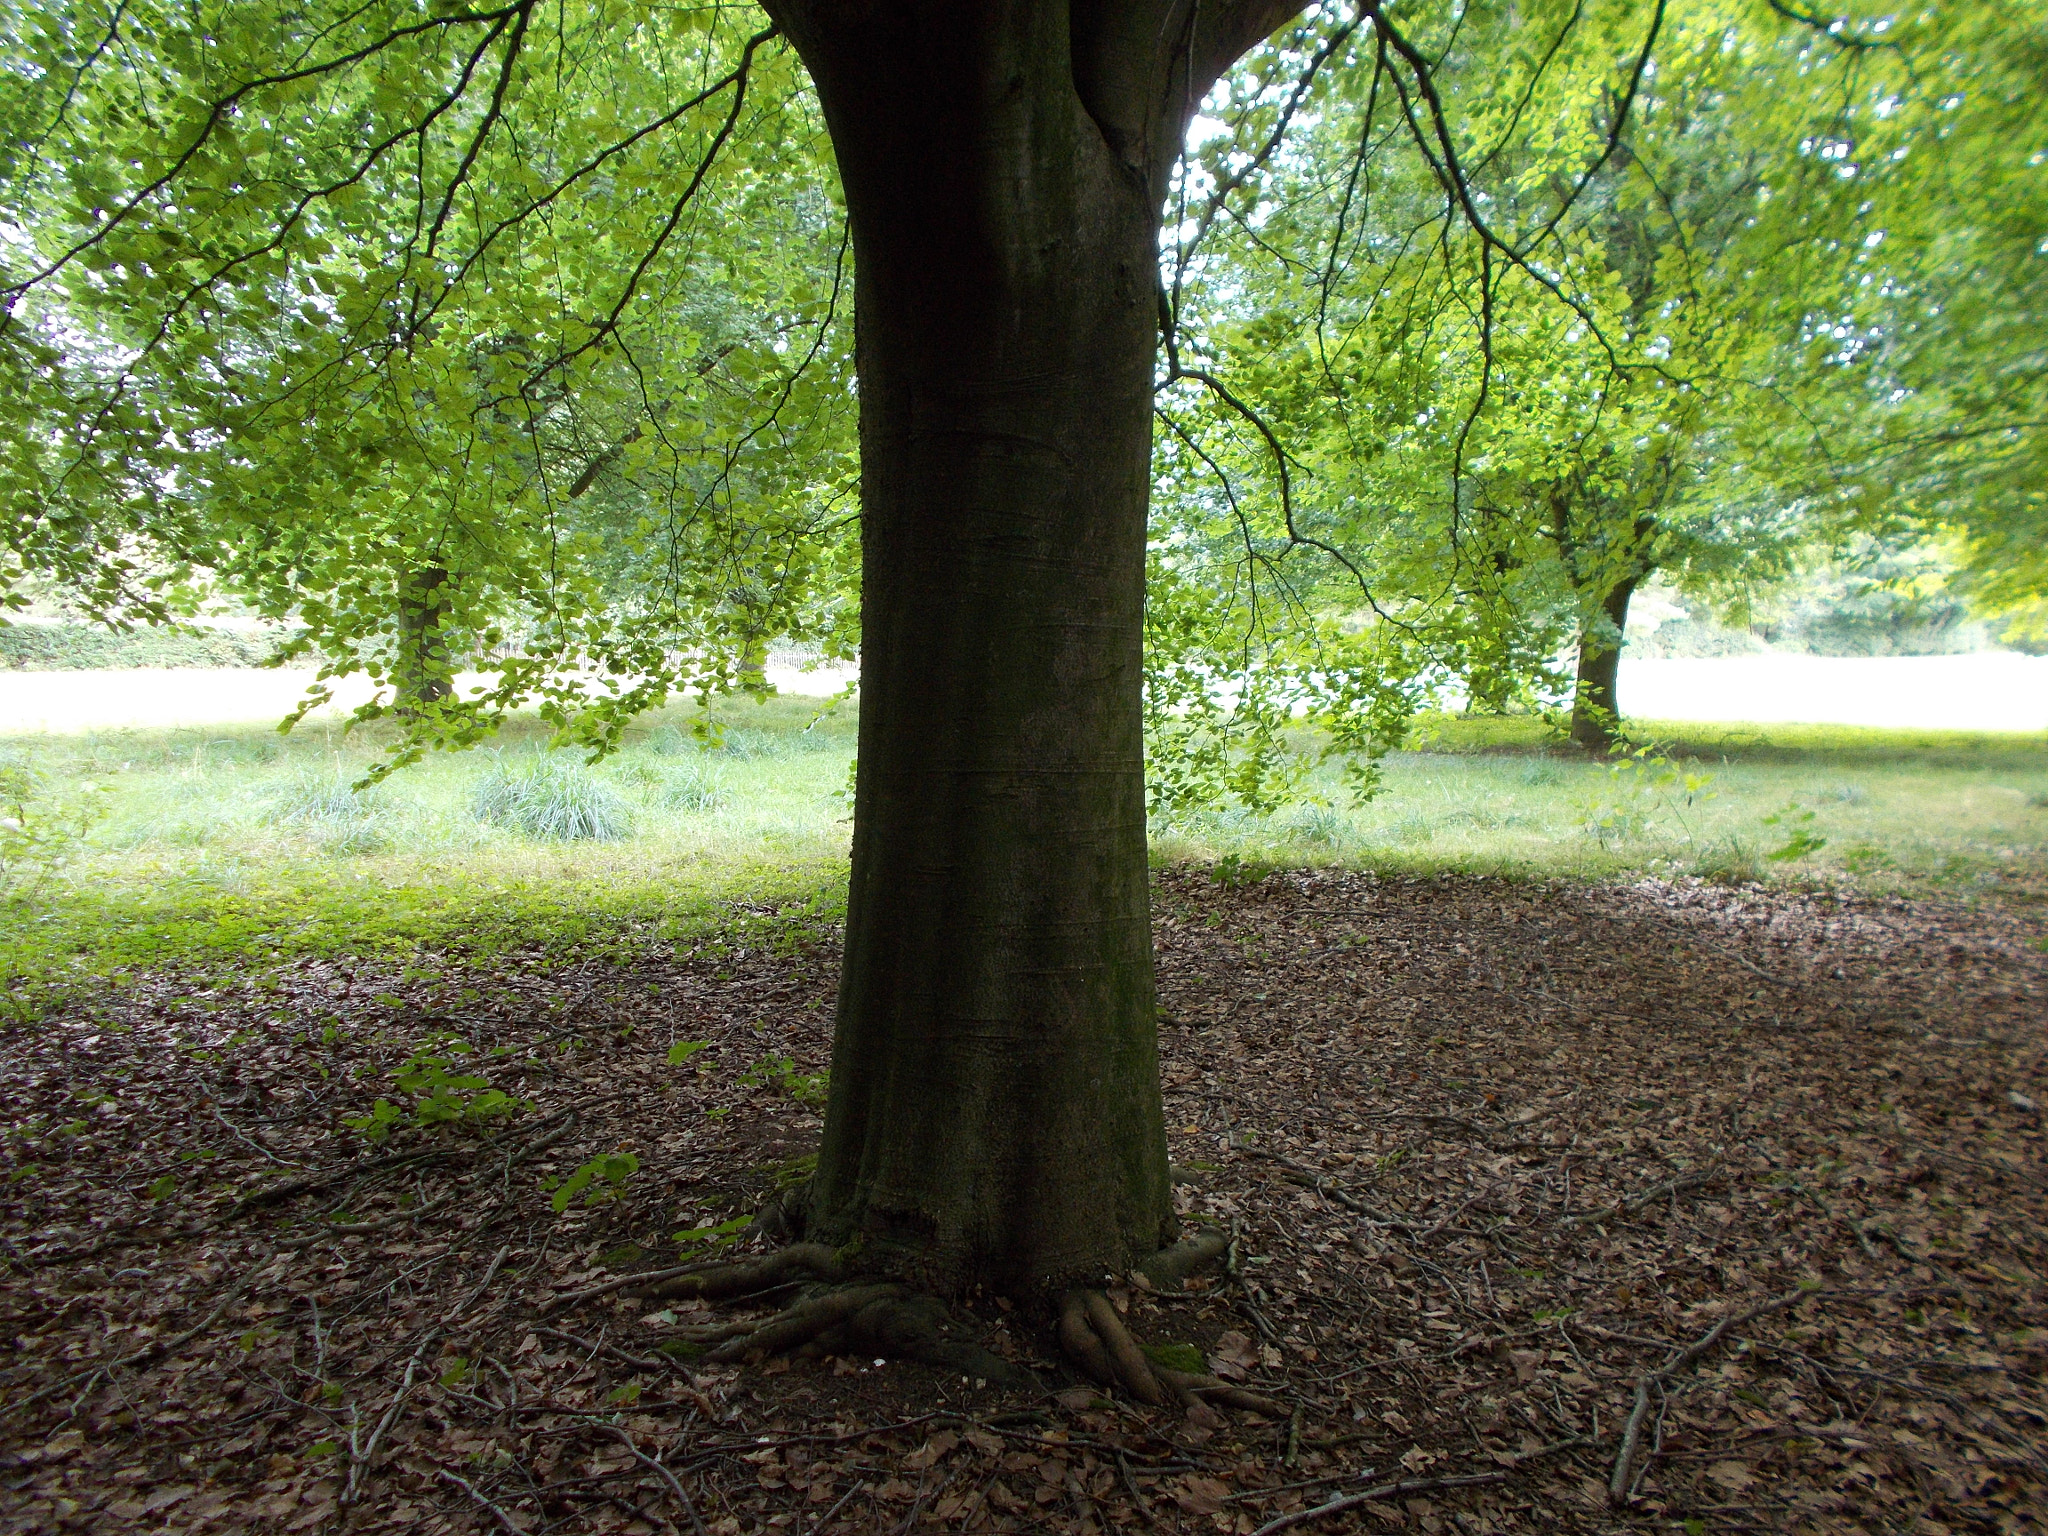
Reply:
x=994, y=1116
x=1596, y=710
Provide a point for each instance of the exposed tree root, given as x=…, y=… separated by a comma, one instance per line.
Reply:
x=1095, y=1338
x=1167, y=1268
x=839, y=1313
x=842, y=1312
x=719, y=1282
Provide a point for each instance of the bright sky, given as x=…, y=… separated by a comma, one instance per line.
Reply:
x=1990, y=691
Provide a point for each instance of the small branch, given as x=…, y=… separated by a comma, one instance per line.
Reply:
x=149, y=1352
x=1138, y=1500
x=503, y=1519
x=1618, y=1482
x=482, y=1285
x=1374, y=1496
x=360, y=1463
x=1628, y=1207
x=666, y=1476
x=251, y=1142
x=1329, y=1189
x=638, y=1362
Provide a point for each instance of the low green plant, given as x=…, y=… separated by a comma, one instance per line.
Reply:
x=343, y=818
x=1800, y=840
x=780, y=1073
x=1321, y=825
x=1234, y=871
x=41, y=830
x=436, y=1095
x=551, y=800
x=1728, y=860
x=706, y=1239
x=601, y=1179
x=1638, y=788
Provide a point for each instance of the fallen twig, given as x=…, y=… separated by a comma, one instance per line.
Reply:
x=667, y=1476
x=1376, y=1495
x=482, y=1285
x=1691, y=1179
x=1618, y=1481
x=502, y=1518
x=359, y=1461
x=150, y=1351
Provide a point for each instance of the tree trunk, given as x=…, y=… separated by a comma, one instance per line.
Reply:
x=1596, y=712
x=421, y=675
x=994, y=1116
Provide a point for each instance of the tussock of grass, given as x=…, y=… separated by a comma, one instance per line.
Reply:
x=552, y=799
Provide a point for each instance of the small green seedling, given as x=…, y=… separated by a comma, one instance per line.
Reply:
x=602, y=1178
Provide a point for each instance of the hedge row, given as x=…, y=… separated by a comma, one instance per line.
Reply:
x=75, y=647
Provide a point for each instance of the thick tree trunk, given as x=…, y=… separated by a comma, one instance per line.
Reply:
x=1596, y=711
x=995, y=1115
x=422, y=674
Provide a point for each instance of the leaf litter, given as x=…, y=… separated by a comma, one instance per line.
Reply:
x=1556, y=1208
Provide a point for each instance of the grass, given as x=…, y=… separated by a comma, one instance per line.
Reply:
x=234, y=845
x=1961, y=813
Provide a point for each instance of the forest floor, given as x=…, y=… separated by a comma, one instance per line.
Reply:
x=1501, y=1158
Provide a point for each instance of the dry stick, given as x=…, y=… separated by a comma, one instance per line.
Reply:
x=358, y=1465
x=638, y=1362
x=689, y=1387
x=667, y=1476
x=1374, y=1496
x=1329, y=1188
x=1233, y=1267
x=318, y=1181
x=645, y=1277
x=1131, y=1487
x=1364, y=1472
x=1618, y=1482
x=482, y=1285
x=744, y=1275
x=246, y=1139
x=1634, y=1203
x=396, y=1218
x=503, y=1519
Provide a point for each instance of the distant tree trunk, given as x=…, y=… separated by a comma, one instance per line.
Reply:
x=1596, y=711
x=995, y=1115
x=422, y=675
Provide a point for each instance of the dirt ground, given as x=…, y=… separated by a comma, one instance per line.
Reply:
x=1741, y=1191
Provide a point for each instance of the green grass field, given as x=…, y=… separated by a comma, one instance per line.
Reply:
x=237, y=844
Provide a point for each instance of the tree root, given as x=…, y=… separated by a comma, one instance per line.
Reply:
x=840, y=1313
x=1096, y=1339
x=717, y=1282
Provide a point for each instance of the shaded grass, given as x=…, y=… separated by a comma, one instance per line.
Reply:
x=236, y=845
x=1962, y=813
